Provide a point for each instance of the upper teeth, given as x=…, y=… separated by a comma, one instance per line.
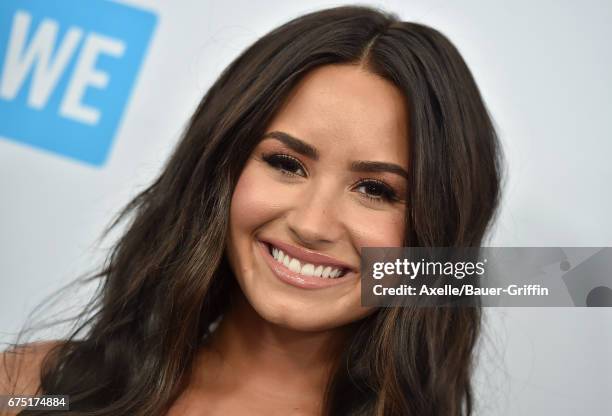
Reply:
x=307, y=269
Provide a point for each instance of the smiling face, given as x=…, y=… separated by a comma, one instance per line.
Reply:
x=328, y=178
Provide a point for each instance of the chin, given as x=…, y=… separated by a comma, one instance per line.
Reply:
x=298, y=322
x=305, y=318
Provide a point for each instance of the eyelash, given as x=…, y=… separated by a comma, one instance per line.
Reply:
x=387, y=194
x=277, y=160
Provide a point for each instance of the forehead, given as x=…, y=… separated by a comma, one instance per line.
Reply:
x=347, y=110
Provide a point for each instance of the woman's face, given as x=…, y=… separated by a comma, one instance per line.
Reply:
x=328, y=178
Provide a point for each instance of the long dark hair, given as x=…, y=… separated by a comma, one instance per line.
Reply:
x=166, y=279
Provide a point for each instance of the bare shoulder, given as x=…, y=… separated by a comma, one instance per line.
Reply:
x=20, y=367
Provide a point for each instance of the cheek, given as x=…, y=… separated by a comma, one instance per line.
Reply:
x=378, y=228
x=251, y=203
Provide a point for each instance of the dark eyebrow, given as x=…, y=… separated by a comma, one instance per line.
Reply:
x=368, y=166
x=294, y=143
x=305, y=149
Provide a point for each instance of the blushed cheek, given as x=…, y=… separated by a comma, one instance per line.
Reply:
x=253, y=203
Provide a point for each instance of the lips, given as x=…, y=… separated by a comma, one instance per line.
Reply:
x=304, y=268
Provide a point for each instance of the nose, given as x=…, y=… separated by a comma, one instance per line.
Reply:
x=314, y=218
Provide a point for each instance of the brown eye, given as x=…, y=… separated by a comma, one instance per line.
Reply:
x=376, y=190
x=286, y=164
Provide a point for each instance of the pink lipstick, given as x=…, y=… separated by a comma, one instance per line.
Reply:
x=337, y=272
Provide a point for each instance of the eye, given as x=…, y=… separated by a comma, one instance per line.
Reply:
x=376, y=190
x=287, y=165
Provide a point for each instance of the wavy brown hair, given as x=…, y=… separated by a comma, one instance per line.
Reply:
x=167, y=279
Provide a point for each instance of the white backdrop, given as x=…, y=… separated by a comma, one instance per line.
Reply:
x=545, y=71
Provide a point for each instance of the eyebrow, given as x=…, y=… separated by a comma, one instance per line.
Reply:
x=368, y=166
x=294, y=144
x=357, y=166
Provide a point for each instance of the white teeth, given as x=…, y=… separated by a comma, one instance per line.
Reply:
x=308, y=269
x=294, y=265
x=326, y=271
x=318, y=271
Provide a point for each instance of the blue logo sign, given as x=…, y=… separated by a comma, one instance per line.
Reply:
x=67, y=68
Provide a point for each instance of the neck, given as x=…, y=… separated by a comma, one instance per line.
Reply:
x=247, y=354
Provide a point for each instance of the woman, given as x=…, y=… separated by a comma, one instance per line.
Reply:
x=235, y=289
